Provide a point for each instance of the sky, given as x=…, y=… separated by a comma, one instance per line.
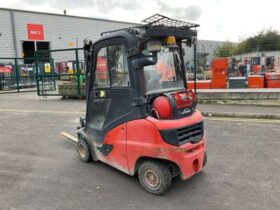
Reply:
x=221, y=20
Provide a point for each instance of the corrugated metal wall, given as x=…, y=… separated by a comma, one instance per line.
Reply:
x=61, y=31
x=6, y=37
x=64, y=31
x=204, y=46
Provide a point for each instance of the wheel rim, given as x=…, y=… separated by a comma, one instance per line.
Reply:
x=82, y=150
x=151, y=178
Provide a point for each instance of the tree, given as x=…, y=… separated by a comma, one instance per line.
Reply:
x=226, y=50
x=266, y=40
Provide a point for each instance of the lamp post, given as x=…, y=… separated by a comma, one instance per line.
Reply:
x=194, y=64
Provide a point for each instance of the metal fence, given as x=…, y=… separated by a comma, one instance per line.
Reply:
x=16, y=76
x=60, y=72
x=50, y=73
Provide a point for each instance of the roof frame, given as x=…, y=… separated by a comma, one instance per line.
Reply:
x=161, y=20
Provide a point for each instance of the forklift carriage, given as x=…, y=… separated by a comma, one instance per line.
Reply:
x=140, y=117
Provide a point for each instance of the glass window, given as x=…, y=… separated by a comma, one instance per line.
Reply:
x=118, y=66
x=101, y=72
x=166, y=74
x=112, y=62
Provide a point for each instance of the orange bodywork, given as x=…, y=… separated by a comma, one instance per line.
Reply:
x=255, y=81
x=256, y=68
x=219, y=73
x=272, y=80
x=141, y=138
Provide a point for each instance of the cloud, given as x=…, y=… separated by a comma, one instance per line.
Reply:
x=60, y=4
x=104, y=6
x=189, y=13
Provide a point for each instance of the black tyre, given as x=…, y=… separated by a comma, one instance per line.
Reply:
x=84, y=150
x=154, y=177
x=204, y=159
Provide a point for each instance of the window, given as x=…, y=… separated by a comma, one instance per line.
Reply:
x=118, y=66
x=112, y=63
x=166, y=74
x=101, y=70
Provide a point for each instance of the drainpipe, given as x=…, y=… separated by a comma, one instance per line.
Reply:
x=14, y=33
x=15, y=47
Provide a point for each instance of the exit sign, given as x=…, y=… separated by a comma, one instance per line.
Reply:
x=35, y=32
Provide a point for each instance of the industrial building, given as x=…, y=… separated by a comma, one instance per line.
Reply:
x=23, y=32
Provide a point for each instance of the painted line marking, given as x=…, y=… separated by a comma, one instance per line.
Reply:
x=41, y=111
x=69, y=137
x=82, y=113
x=242, y=120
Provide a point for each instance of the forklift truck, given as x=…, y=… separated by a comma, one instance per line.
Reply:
x=141, y=119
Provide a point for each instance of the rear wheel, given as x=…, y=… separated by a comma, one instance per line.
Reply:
x=154, y=177
x=84, y=150
x=204, y=159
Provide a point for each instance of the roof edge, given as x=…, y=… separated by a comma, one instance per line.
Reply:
x=74, y=16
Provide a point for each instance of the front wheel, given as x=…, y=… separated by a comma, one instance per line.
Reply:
x=84, y=150
x=154, y=177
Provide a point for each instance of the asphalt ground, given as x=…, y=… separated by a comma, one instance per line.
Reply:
x=40, y=169
x=241, y=110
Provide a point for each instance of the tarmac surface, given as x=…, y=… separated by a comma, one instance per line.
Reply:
x=40, y=169
x=219, y=108
x=240, y=111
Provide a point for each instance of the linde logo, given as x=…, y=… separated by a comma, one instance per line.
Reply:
x=185, y=111
x=35, y=31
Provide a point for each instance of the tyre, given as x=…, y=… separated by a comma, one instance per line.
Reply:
x=204, y=160
x=154, y=177
x=84, y=150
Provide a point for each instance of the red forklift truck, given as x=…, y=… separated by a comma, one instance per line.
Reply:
x=141, y=118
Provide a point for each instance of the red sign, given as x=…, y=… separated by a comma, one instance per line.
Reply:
x=5, y=69
x=101, y=68
x=35, y=32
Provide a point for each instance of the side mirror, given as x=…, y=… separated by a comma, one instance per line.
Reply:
x=139, y=63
